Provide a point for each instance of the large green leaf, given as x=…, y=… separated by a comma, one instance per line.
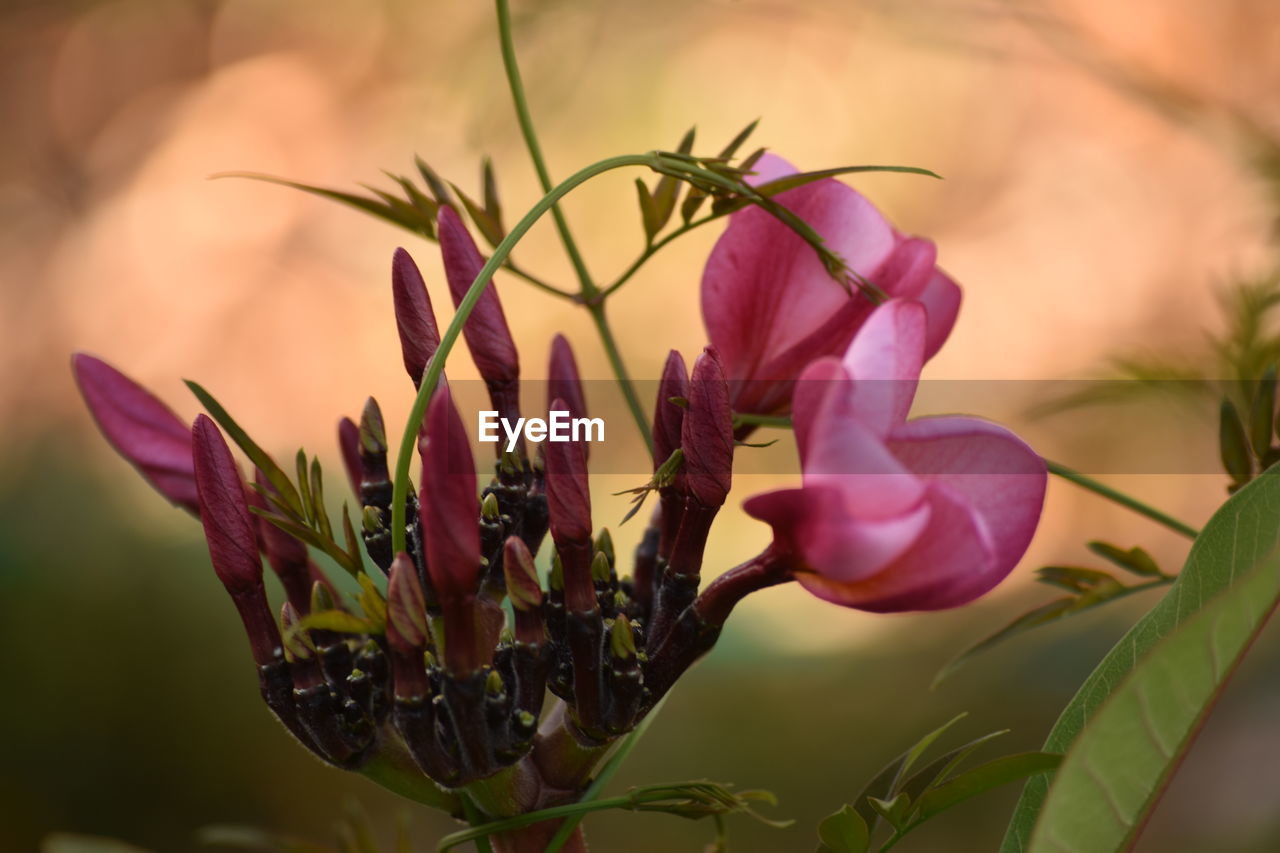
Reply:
x=1236, y=540
x=1119, y=765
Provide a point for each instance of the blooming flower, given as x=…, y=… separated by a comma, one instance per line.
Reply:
x=771, y=307
x=894, y=514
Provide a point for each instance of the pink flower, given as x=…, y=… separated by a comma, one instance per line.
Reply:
x=771, y=307
x=894, y=514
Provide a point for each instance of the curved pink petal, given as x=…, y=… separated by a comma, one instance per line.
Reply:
x=909, y=268
x=816, y=524
x=951, y=562
x=885, y=359
x=992, y=470
x=764, y=290
x=768, y=168
x=941, y=299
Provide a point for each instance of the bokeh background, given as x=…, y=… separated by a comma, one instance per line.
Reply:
x=1097, y=192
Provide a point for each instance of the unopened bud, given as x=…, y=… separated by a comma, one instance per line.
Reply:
x=489, y=509
x=523, y=587
x=600, y=568
x=622, y=641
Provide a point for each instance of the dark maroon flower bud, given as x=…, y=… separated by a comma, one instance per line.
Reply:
x=450, y=517
x=450, y=509
x=232, y=540
x=668, y=416
x=706, y=433
x=349, y=444
x=568, y=494
x=142, y=429
x=563, y=381
x=487, y=334
x=416, y=322
x=406, y=608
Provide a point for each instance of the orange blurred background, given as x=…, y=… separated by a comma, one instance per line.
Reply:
x=1080, y=219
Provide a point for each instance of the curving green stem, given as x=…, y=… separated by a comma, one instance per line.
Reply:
x=516, y=84
x=431, y=376
x=1120, y=498
x=611, y=351
x=1055, y=468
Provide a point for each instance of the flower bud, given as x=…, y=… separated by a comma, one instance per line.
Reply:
x=668, y=417
x=142, y=429
x=568, y=494
x=287, y=555
x=415, y=321
x=486, y=331
x=406, y=609
x=449, y=507
x=522, y=576
x=231, y=537
x=349, y=445
x=706, y=433
x=563, y=381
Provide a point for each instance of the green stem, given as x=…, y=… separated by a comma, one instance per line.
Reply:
x=436, y=366
x=1055, y=468
x=474, y=818
x=1121, y=498
x=606, y=773
x=614, y=355
x=531, y=142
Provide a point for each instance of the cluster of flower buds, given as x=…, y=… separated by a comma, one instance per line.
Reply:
x=435, y=669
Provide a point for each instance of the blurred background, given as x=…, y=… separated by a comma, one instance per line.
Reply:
x=1102, y=182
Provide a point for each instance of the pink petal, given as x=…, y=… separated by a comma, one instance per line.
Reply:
x=908, y=269
x=884, y=360
x=764, y=290
x=768, y=168
x=415, y=321
x=992, y=470
x=950, y=563
x=228, y=524
x=815, y=523
x=941, y=299
x=706, y=432
x=839, y=450
x=142, y=429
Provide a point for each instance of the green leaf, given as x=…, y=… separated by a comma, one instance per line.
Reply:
x=938, y=770
x=66, y=842
x=895, y=811
x=649, y=214
x=1240, y=535
x=1078, y=580
x=259, y=457
x=1134, y=559
x=736, y=143
x=983, y=778
x=885, y=783
x=406, y=218
x=799, y=179
x=489, y=227
x=666, y=190
x=1120, y=764
x=844, y=832
x=336, y=620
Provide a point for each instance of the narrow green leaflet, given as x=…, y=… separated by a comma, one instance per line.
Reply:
x=1239, y=537
x=1120, y=764
x=844, y=832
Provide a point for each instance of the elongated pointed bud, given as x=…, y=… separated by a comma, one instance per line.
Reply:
x=376, y=487
x=622, y=641
x=568, y=494
x=668, y=417
x=489, y=509
x=487, y=334
x=415, y=321
x=142, y=429
x=449, y=507
x=604, y=544
x=406, y=608
x=1262, y=413
x=349, y=445
x=1233, y=445
x=706, y=433
x=600, y=568
x=563, y=381
x=232, y=540
x=322, y=598
x=523, y=587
